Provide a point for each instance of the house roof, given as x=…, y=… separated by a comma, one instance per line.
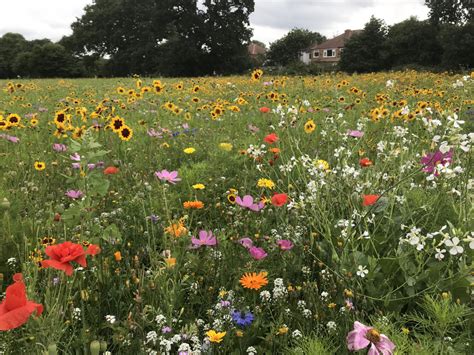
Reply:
x=336, y=42
x=255, y=49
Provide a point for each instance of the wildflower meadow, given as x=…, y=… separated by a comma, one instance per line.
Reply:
x=237, y=215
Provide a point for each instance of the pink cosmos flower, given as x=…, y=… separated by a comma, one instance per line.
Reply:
x=355, y=134
x=9, y=138
x=284, y=244
x=246, y=242
x=431, y=161
x=58, y=147
x=165, y=175
x=247, y=202
x=74, y=194
x=75, y=157
x=205, y=238
x=363, y=336
x=257, y=253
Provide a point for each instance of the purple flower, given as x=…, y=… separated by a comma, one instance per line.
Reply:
x=284, y=244
x=166, y=329
x=247, y=202
x=363, y=336
x=246, y=242
x=74, y=194
x=58, y=147
x=257, y=253
x=225, y=304
x=431, y=160
x=165, y=175
x=241, y=318
x=76, y=165
x=354, y=133
x=153, y=218
x=10, y=138
x=91, y=166
x=205, y=238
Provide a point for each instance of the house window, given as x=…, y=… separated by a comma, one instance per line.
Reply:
x=329, y=53
x=316, y=54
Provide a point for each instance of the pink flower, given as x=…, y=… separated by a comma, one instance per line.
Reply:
x=247, y=202
x=205, y=238
x=74, y=194
x=246, y=242
x=355, y=134
x=75, y=157
x=285, y=244
x=257, y=253
x=165, y=175
x=58, y=147
x=363, y=336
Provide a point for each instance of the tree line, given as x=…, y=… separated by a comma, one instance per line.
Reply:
x=187, y=38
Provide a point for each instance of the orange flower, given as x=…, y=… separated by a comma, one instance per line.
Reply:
x=264, y=109
x=170, y=262
x=193, y=204
x=118, y=256
x=369, y=200
x=177, y=229
x=253, y=280
x=111, y=170
x=275, y=150
x=365, y=162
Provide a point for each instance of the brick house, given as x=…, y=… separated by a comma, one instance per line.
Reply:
x=328, y=51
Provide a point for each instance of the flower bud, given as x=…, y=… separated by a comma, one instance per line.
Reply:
x=95, y=347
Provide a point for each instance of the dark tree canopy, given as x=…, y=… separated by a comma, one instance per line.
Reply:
x=450, y=11
x=287, y=49
x=367, y=51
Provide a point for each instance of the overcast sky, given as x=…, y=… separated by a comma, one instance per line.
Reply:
x=271, y=20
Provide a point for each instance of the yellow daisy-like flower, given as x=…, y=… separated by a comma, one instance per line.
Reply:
x=40, y=165
x=269, y=184
x=215, y=337
x=257, y=74
x=199, y=186
x=226, y=146
x=322, y=165
x=309, y=126
x=189, y=150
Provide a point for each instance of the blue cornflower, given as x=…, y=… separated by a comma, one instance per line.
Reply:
x=241, y=318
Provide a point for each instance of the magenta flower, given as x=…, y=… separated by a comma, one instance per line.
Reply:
x=76, y=165
x=431, y=160
x=9, y=138
x=355, y=134
x=205, y=238
x=246, y=242
x=247, y=202
x=165, y=175
x=74, y=194
x=257, y=253
x=58, y=147
x=363, y=336
x=284, y=244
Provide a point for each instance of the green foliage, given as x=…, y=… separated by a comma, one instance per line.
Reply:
x=287, y=49
x=457, y=43
x=450, y=11
x=367, y=51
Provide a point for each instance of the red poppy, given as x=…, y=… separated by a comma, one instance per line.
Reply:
x=365, y=162
x=111, y=170
x=16, y=308
x=264, y=109
x=279, y=199
x=271, y=138
x=63, y=254
x=369, y=200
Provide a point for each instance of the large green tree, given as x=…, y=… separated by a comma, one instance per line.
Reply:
x=450, y=11
x=287, y=49
x=11, y=45
x=414, y=42
x=367, y=51
x=458, y=46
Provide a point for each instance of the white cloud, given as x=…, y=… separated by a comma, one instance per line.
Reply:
x=271, y=20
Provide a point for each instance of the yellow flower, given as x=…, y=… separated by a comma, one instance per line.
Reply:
x=215, y=337
x=199, y=186
x=239, y=333
x=40, y=165
x=405, y=331
x=309, y=126
x=225, y=146
x=170, y=262
x=283, y=330
x=266, y=183
x=257, y=74
x=189, y=150
x=322, y=165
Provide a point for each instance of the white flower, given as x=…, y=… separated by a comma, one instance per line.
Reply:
x=362, y=271
x=251, y=350
x=440, y=254
x=470, y=239
x=453, y=244
x=109, y=318
x=296, y=334
x=331, y=325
